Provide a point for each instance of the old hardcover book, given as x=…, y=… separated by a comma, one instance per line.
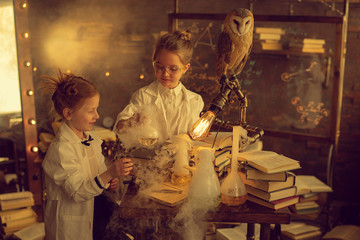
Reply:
x=313, y=41
x=16, y=200
x=271, y=196
x=276, y=205
x=301, y=232
x=268, y=186
x=272, y=36
x=222, y=159
x=313, y=50
x=16, y=225
x=15, y=214
x=345, y=232
x=305, y=207
x=254, y=174
x=268, y=161
x=269, y=30
x=310, y=184
x=271, y=46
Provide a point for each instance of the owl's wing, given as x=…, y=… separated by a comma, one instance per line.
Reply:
x=224, y=50
x=243, y=61
x=224, y=47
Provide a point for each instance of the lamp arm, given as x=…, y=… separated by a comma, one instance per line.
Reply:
x=227, y=86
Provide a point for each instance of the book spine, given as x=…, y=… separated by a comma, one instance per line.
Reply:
x=17, y=214
x=17, y=203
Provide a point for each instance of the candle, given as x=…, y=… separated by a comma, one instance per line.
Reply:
x=235, y=148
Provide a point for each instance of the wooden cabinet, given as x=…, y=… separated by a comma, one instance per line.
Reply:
x=204, y=25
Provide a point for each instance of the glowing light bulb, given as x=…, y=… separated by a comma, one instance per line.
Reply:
x=24, y=5
x=34, y=69
x=27, y=64
x=29, y=92
x=34, y=149
x=202, y=126
x=32, y=121
x=26, y=35
x=141, y=76
x=107, y=74
x=68, y=71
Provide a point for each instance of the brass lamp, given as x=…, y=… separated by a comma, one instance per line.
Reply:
x=202, y=126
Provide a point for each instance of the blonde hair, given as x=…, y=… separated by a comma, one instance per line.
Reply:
x=177, y=42
x=68, y=91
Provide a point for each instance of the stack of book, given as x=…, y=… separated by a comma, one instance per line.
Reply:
x=270, y=38
x=222, y=161
x=309, y=45
x=268, y=179
x=311, y=192
x=307, y=205
x=16, y=212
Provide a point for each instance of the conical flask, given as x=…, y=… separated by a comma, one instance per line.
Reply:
x=204, y=187
x=233, y=191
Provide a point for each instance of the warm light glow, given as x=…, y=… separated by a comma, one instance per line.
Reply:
x=29, y=92
x=9, y=79
x=27, y=64
x=34, y=149
x=107, y=74
x=141, y=76
x=32, y=121
x=24, y=5
x=26, y=35
x=34, y=69
x=68, y=71
x=202, y=126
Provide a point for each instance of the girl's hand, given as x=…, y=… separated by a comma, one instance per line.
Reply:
x=121, y=167
x=113, y=183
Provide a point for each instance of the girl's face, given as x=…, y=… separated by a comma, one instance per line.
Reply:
x=83, y=118
x=169, y=68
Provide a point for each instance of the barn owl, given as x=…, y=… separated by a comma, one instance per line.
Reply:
x=235, y=43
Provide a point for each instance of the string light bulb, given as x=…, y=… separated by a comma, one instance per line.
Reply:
x=24, y=5
x=34, y=149
x=29, y=92
x=141, y=76
x=32, y=121
x=107, y=74
x=27, y=64
x=25, y=35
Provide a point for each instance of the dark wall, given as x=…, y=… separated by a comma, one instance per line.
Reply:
x=90, y=38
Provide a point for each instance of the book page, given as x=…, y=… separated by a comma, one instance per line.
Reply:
x=220, y=137
x=35, y=231
x=309, y=183
x=252, y=155
x=275, y=163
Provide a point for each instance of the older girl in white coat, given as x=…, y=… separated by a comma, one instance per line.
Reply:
x=175, y=107
x=75, y=171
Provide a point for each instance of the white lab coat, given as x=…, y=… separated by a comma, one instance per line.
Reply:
x=70, y=187
x=149, y=95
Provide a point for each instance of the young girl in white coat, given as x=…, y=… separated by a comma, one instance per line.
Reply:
x=74, y=167
x=175, y=107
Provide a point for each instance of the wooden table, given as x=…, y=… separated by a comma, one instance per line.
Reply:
x=134, y=206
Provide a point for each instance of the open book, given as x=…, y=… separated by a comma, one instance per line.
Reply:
x=268, y=161
x=166, y=193
x=310, y=184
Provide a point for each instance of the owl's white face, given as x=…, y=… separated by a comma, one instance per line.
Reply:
x=240, y=26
